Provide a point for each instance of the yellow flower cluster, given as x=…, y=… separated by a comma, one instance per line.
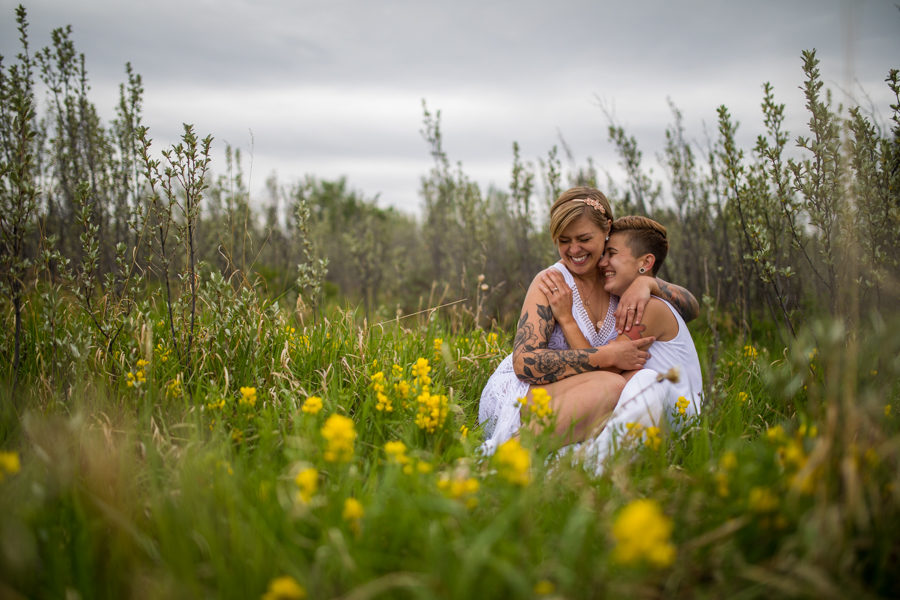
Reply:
x=248, y=396
x=162, y=353
x=460, y=488
x=307, y=482
x=643, y=535
x=742, y=397
x=539, y=405
x=681, y=404
x=378, y=385
x=353, y=513
x=653, y=438
x=750, y=352
x=762, y=500
x=513, y=462
x=438, y=348
x=216, y=404
x=284, y=588
x=432, y=411
x=138, y=376
x=9, y=464
x=792, y=455
x=420, y=371
x=312, y=405
x=340, y=435
x=173, y=388
x=396, y=452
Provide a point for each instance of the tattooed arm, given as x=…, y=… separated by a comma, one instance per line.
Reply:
x=638, y=294
x=679, y=297
x=537, y=364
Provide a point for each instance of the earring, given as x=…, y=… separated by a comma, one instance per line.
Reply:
x=642, y=270
x=607, y=238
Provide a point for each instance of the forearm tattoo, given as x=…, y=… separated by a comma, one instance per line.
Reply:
x=683, y=301
x=541, y=365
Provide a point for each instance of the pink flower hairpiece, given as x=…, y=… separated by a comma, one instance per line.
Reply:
x=592, y=203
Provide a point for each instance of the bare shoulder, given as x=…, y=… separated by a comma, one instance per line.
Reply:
x=659, y=320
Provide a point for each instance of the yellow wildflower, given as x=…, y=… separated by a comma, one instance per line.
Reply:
x=424, y=467
x=544, y=587
x=750, y=352
x=775, y=434
x=887, y=410
x=396, y=371
x=353, y=513
x=307, y=481
x=460, y=488
x=742, y=397
x=432, y=411
x=642, y=533
x=463, y=432
x=513, y=462
x=396, y=452
x=402, y=388
x=420, y=371
x=340, y=434
x=312, y=405
x=681, y=404
x=248, y=396
x=728, y=461
x=762, y=500
x=438, y=346
x=540, y=403
x=284, y=588
x=173, y=388
x=9, y=464
x=220, y=403
x=653, y=439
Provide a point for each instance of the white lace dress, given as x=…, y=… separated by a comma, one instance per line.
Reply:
x=498, y=410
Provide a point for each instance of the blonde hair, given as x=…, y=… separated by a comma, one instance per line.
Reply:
x=644, y=236
x=578, y=201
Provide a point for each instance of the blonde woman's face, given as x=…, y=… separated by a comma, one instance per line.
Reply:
x=581, y=245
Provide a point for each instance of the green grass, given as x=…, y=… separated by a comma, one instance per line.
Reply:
x=786, y=485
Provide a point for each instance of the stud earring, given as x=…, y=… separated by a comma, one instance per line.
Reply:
x=607, y=238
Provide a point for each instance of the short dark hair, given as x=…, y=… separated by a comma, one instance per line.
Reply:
x=645, y=236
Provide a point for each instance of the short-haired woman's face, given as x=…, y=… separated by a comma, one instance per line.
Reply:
x=581, y=245
x=618, y=267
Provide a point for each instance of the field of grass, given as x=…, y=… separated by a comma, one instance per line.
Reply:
x=338, y=459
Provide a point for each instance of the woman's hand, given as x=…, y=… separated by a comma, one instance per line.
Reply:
x=630, y=355
x=559, y=295
x=633, y=302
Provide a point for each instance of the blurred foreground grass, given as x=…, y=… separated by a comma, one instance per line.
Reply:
x=338, y=460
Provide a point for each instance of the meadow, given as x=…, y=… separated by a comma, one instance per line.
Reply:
x=200, y=398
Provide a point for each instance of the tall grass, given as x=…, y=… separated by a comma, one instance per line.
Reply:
x=786, y=483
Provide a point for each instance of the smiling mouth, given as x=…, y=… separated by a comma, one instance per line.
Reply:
x=579, y=260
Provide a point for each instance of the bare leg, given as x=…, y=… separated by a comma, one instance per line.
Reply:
x=581, y=403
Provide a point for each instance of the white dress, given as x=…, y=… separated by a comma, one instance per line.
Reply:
x=498, y=410
x=646, y=400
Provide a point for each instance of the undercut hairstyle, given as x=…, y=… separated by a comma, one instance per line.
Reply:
x=578, y=201
x=644, y=236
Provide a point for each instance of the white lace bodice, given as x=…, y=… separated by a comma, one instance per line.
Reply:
x=499, y=407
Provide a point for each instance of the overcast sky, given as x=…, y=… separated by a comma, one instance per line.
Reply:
x=335, y=87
